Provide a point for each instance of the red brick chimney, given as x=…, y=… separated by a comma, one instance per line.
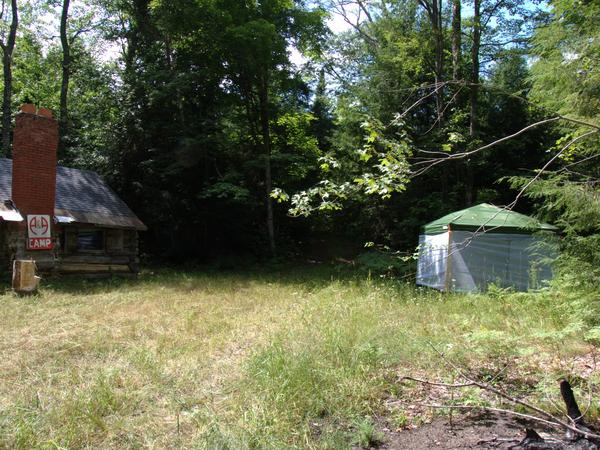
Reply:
x=35, y=141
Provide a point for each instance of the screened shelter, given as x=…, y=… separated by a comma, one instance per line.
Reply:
x=469, y=249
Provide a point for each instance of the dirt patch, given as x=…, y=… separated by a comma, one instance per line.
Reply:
x=466, y=431
x=411, y=417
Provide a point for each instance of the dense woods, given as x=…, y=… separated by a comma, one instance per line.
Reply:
x=287, y=127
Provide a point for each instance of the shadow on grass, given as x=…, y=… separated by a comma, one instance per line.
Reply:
x=310, y=276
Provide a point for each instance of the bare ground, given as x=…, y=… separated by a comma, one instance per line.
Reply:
x=465, y=431
x=475, y=429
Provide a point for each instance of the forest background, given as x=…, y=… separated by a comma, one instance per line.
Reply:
x=243, y=130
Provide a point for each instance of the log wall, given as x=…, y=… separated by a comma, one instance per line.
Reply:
x=5, y=258
x=119, y=256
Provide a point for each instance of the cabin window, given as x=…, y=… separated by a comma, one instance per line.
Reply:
x=114, y=241
x=90, y=240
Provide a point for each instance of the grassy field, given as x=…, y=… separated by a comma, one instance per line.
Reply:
x=264, y=360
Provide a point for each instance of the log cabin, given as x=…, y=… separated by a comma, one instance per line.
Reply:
x=67, y=220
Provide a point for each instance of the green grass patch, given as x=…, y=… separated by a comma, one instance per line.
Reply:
x=290, y=359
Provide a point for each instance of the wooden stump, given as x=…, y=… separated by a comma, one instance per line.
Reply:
x=24, y=280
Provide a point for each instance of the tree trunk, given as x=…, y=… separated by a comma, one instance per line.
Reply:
x=66, y=74
x=434, y=13
x=456, y=39
x=266, y=140
x=474, y=88
x=7, y=52
x=170, y=59
x=573, y=410
x=473, y=96
x=456, y=72
x=438, y=30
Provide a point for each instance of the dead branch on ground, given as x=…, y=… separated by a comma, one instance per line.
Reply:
x=577, y=427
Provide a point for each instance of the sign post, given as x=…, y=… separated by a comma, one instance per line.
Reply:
x=39, y=235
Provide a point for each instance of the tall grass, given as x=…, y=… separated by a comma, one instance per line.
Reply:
x=254, y=360
x=349, y=342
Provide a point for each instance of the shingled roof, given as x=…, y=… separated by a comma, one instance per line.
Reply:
x=81, y=196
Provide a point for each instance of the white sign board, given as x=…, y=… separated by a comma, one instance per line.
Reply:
x=39, y=234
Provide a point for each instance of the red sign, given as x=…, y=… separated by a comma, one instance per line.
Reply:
x=39, y=236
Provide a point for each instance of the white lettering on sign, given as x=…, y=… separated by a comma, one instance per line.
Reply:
x=39, y=234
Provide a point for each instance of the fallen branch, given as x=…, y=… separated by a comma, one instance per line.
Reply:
x=492, y=409
x=435, y=383
x=550, y=418
x=565, y=386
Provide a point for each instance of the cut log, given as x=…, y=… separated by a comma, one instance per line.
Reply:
x=24, y=280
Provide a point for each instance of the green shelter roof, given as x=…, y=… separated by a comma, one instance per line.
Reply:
x=486, y=217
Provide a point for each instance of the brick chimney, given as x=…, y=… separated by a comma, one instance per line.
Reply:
x=35, y=141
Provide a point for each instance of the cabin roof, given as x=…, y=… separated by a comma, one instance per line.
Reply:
x=81, y=196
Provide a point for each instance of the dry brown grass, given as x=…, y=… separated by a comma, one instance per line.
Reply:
x=184, y=359
x=121, y=365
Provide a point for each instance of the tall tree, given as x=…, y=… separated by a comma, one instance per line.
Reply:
x=456, y=39
x=74, y=22
x=265, y=118
x=434, y=9
x=566, y=73
x=475, y=67
x=473, y=98
x=37, y=78
x=390, y=93
x=7, y=42
x=260, y=66
x=566, y=80
x=322, y=126
x=66, y=74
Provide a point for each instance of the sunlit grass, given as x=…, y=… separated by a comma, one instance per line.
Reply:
x=252, y=360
